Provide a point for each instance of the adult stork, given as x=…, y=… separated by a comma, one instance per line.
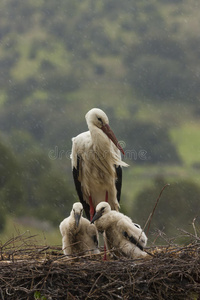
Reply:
x=97, y=164
x=78, y=235
x=121, y=235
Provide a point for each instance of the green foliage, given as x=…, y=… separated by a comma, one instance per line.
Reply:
x=148, y=143
x=8, y=165
x=10, y=180
x=178, y=206
x=11, y=196
x=35, y=188
x=38, y=296
x=158, y=70
x=53, y=198
x=47, y=193
x=2, y=219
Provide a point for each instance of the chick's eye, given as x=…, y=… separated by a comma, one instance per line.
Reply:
x=102, y=209
x=136, y=225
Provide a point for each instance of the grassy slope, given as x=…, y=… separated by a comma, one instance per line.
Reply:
x=187, y=141
x=14, y=228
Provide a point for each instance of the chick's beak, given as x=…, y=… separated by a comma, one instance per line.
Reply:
x=77, y=218
x=97, y=215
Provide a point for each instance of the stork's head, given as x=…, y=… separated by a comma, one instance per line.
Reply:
x=96, y=117
x=77, y=212
x=101, y=209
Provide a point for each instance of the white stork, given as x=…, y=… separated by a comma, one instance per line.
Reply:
x=78, y=235
x=121, y=235
x=97, y=164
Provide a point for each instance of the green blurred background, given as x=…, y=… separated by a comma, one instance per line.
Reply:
x=137, y=60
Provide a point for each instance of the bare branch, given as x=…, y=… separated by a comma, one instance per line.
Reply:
x=151, y=216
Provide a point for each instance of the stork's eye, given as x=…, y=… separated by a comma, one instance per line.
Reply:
x=102, y=209
x=100, y=119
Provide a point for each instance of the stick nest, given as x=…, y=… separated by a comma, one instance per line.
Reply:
x=30, y=271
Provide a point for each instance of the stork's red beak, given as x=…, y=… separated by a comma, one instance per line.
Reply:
x=108, y=131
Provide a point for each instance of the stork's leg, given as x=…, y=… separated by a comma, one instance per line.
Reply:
x=91, y=208
x=105, y=256
x=106, y=196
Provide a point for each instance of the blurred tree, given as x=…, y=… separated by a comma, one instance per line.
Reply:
x=54, y=198
x=19, y=16
x=11, y=195
x=147, y=143
x=178, y=206
x=2, y=219
x=7, y=62
x=158, y=70
x=48, y=195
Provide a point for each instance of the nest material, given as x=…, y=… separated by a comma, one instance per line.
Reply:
x=29, y=271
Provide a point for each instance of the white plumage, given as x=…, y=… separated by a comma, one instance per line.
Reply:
x=96, y=163
x=121, y=235
x=78, y=235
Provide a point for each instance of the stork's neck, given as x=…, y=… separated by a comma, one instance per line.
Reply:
x=100, y=140
x=103, y=148
x=103, y=223
x=100, y=224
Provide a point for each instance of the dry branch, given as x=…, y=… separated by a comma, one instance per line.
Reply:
x=151, y=215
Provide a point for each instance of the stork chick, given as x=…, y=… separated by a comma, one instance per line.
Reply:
x=78, y=235
x=121, y=235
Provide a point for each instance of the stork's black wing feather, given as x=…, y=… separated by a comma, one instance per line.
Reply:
x=95, y=240
x=132, y=240
x=77, y=183
x=118, y=182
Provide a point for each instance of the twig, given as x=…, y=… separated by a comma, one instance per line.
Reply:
x=195, y=232
x=151, y=216
x=93, y=286
x=147, y=222
x=2, y=295
x=189, y=234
